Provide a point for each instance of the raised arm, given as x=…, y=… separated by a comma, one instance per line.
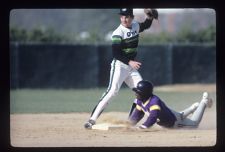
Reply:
x=150, y=15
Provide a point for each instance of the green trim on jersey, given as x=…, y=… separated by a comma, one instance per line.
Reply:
x=116, y=39
x=133, y=39
x=130, y=50
x=130, y=45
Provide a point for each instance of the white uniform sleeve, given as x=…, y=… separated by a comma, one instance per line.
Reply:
x=117, y=32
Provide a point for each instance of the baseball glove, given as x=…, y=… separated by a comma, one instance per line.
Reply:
x=151, y=13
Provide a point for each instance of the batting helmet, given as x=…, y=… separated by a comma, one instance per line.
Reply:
x=144, y=88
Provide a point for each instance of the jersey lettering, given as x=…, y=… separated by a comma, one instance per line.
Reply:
x=132, y=33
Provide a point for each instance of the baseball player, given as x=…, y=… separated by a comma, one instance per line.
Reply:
x=157, y=111
x=124, y=67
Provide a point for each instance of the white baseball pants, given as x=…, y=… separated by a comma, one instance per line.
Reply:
x=182, y=117
x=119, y=73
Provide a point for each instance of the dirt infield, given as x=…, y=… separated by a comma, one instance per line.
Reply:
x=66, y=130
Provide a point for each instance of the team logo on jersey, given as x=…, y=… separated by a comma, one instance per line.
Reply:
x=132, y=33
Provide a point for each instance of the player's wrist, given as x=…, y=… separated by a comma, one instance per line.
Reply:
x=130, y=62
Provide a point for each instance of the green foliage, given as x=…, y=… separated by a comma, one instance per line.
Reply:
x=93, y=37
x=18, y=35
x=185, y=35
x=208, y=34
x=162, y=37
x=203, y=35
x=36, y=35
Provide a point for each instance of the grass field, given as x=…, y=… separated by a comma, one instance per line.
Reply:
x=84, y=100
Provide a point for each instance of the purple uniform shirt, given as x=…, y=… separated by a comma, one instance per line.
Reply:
x=156, y=110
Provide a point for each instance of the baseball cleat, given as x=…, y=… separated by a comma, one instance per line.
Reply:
x=205, y=95
x=89, y=124
x=208, y=101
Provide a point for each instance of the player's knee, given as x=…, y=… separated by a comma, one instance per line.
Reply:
x=195, y=105
x=114, y=91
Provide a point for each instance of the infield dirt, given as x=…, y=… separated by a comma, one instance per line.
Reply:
x=66, y=130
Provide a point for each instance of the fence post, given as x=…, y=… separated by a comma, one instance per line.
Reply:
x=170, y=63
x=14, y=65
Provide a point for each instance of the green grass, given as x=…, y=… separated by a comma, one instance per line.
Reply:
x=84, y=100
